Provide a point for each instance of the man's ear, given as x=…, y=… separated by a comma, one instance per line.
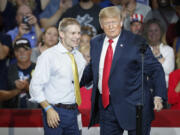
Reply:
x=61, y=34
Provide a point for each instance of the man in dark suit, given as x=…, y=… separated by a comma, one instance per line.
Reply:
x=116, y=70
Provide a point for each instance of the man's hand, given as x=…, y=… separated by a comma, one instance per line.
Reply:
x=158, y=103
x=19, y=84
x=52, y=118
x=26, y=85
x=22, y=84
x=32, y=20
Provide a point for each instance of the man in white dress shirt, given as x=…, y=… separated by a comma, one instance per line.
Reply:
x=52, y=84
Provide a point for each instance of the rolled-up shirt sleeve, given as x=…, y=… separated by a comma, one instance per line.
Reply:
x=40, y=78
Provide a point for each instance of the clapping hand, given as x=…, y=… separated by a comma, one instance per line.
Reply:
x=22, y=85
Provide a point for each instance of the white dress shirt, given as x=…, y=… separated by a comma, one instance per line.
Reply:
x=52, y=79
x=102, y=58
x=169, y=63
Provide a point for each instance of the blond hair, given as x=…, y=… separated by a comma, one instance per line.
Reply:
x=112, y=11
x=66, y=22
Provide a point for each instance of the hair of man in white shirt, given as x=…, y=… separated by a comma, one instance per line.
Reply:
x=70, y=33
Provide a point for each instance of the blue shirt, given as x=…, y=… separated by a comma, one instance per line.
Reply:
x=31, y=36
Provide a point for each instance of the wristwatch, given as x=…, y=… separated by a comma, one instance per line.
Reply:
x=159, y=57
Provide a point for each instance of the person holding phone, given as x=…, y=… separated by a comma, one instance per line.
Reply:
x=27, y=26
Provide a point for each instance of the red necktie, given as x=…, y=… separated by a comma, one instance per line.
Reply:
x=106, y=72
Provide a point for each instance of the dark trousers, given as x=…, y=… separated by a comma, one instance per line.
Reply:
x=68, y=123
x=109, y=124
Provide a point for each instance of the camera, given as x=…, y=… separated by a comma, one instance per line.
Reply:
x=25, y=20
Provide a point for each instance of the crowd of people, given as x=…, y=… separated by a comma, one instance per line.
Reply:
x=36, y=36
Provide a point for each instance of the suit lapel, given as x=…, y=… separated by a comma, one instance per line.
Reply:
x=98, y=50
x=118, y=51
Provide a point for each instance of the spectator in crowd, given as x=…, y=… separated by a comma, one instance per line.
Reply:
x=5, y=45
x=163, y=52
x=85, y=50
x=163, y=11
x=8, y=11
x=176, y=42
x=48, y=39
x=171, y=33
x=8, y=14
x=174, y=89
x=27, y=26
x=86, y=13
x=136, y=22
x=54, y=10
x=35, y=5
x=86, y=35
x=44, y=3
x=55, y=83
x=130, y=7
x=117, y=78
x=19, y=75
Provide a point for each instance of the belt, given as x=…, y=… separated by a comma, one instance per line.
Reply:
x=67, y=106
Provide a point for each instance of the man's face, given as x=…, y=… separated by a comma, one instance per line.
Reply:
x=22, y=11
x=23, y=55
x=112, y=26
x=136, y=28
x=71, y=36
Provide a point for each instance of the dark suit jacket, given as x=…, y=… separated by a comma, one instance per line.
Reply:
x=125, y=79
